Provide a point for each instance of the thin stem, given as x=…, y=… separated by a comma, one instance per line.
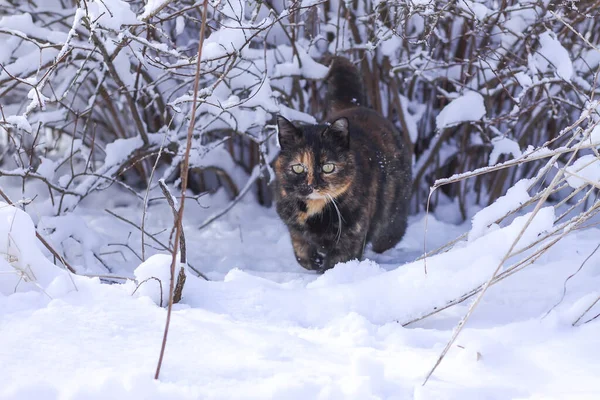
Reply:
x=184, y=183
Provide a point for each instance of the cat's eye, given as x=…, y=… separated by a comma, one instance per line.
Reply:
x=328, y=168
x=298, y=168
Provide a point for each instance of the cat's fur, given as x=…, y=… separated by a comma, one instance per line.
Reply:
x=331, y=216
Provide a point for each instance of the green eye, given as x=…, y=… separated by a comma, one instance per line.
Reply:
x=298, y=168
x=328, y=168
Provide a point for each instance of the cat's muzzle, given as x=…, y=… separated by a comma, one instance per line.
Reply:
x=305, y=190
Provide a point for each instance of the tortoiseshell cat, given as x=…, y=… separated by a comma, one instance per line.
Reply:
x=345, y=182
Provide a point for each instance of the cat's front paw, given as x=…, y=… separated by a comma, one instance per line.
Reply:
x=317, y=260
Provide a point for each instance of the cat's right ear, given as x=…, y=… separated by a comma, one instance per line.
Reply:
x=288, y=133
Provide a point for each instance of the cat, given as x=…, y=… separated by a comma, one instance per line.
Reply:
x=343, y=183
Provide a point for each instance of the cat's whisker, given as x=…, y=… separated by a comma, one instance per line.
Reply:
x=339, y=233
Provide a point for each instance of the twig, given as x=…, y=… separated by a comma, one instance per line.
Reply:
x=153, y=237
x=182, y=250
x=594, y=317
x=171, y=200
x=55, y=253
x=184, y=182
x=145, y=205
x=564, y=293
x=108, y=277
x=159, y=284
x=505, y=274
x=489, y=282
x=253, y=178
x=178, y=291
x=115, y=75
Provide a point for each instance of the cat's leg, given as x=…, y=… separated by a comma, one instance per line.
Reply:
x=390, y=222
x=307, y=253
x=390, y=231
x=350, y=246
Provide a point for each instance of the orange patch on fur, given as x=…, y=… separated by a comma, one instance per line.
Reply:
x=313, y=207
x=300, y=246
x=316, y=206
x=278, y=165
x=340, y=190
x=306, y=158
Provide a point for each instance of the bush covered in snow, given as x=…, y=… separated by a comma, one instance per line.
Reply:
x=93, y=92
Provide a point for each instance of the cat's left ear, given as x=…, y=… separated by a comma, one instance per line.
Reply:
x=288, y=133
x=338, y=132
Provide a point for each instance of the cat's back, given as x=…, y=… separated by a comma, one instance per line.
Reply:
x=384, y=173
x=370, y=130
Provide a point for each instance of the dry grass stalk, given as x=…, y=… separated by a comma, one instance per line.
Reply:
x=178, y=227
x=540, y=200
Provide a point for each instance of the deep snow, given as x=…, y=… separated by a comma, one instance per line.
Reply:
x=265, y=328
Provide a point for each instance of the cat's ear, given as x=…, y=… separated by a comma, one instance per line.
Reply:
x=338, y=132
x=288, y=134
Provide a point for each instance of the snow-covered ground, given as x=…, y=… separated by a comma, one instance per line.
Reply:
x=264, y=328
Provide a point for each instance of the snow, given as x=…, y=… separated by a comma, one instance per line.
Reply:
x=412, y=114
x=309, y=69
x=223, y=42
x=589, y=60
x=594, y=137
x=233, y=9
x=516, y=21
x=308, y=3
x=151, y=7
x=120, y=149
x=23, y=267
x=179, y=25
x=23, y=24
x=480, y=11
x=503, y=145
x=584, y=170
x=523, y=79
x=111, y=14
x=551, y=55
x=465, y=108
x=79, y=14
x=265, y=328
x=47, y=168
x=390, y=46
x=123, y=68
x=514, y=197
x=28, y=64
x=76, y=237
x=153, y=276
x=19, y=121
x=37, y=100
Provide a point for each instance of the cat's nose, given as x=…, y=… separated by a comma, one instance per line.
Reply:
x=306, y=190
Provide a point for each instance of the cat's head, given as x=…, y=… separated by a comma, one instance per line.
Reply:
x=315, y=161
